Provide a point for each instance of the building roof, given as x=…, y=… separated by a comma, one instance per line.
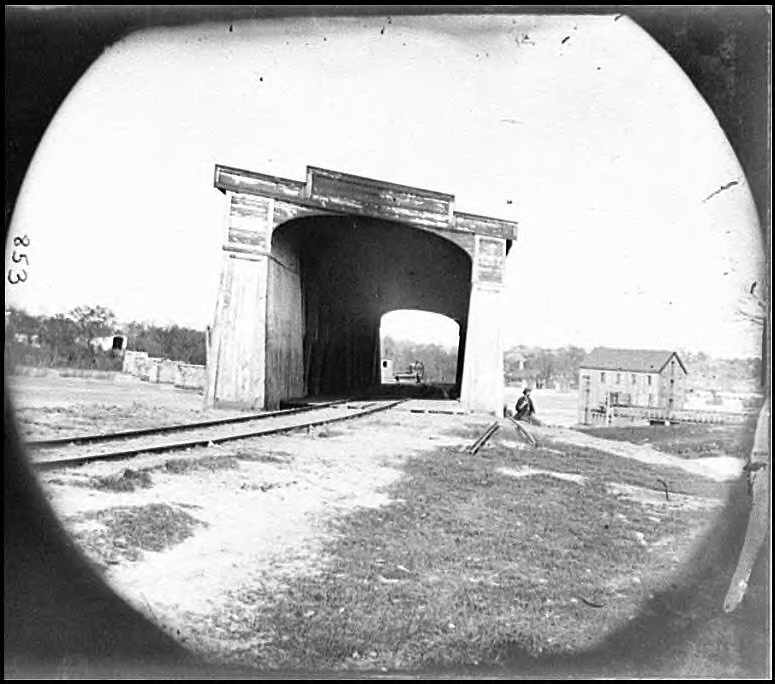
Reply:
x=639, y=360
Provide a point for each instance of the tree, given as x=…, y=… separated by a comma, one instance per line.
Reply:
x=169, y=342
x=544, y=367
x=19, y=322
x=93, y=322
x=183, y=344
x=66, y=339
x=545, y=363
x=60, y=334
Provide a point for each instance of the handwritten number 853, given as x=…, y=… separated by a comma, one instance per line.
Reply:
x=15, y=277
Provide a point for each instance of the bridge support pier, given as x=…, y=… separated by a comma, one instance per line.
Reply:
x=236, y=358
x=482, y=385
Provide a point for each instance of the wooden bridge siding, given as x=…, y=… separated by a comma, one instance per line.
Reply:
x=484, y=225
x=360, y=196
x=236, y=346
x=284, y=377
x=330, y=191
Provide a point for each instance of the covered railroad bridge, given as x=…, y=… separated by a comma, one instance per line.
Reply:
x=309, y=268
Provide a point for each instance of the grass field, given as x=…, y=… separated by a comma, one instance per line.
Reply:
x=686, y=439
x=552, y=407
x=468, y=564
x=351, y=549
x=52, y=407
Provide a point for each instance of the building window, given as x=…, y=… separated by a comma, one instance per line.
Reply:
x=651, y=399
x=618, y=378
x=602, y=377
x=649, y=381
x=633, y=379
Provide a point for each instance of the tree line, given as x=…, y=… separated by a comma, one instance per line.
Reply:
x=558, y=369
x=533, y=366
x=67, y=340
x=539, y=367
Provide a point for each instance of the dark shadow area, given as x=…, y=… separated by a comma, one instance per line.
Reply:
x=395, y=391
x=354, y=270
x=418, y=391
x=60, y=616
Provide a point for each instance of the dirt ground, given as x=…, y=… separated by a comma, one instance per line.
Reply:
x=51, y=407
x=260, y=522
x=553, y=407
x=378, y=544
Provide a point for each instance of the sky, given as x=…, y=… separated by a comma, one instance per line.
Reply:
x=581, y=129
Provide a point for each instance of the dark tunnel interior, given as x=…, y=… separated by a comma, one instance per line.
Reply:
x=352, y=270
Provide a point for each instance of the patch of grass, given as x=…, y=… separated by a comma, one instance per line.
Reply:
x=124, y=532
x=465, y=564
x=128, y=481
x=275, y=457
x=178, y=466
x=686, y=440
x=88, y=418
x=604, y=467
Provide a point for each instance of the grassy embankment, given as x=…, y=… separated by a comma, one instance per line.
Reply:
x=468, y=565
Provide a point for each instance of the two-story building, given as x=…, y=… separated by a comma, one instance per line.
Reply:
x=645, y=378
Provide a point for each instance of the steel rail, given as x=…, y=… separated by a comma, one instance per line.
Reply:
x=179, y=427
x=212, y=439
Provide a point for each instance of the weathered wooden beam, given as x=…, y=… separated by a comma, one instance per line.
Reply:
x=330, y=191
x=370, y=197
x=485, y=225
x=240, y=180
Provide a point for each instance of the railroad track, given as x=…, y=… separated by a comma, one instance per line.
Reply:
x=74, y=451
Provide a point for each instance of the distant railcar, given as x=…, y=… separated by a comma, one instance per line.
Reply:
x=415, y=372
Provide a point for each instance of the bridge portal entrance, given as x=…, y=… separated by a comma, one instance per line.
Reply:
x=309, y=268
x=420, y=347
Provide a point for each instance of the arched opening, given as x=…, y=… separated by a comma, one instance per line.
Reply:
x=419, y=353
x=331, y=279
